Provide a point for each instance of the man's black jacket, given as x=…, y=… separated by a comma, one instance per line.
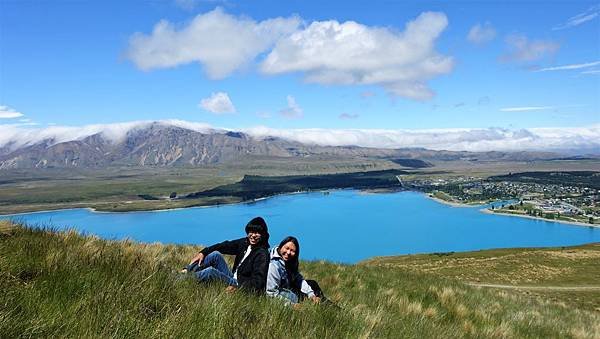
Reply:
x=252, y=273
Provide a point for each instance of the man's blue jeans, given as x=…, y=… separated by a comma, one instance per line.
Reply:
x=213, y=268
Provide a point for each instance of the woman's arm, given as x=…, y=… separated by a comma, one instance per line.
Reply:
x=305, y=287
x=273, y=280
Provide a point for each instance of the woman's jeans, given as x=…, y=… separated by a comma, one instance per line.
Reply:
x=213, y=268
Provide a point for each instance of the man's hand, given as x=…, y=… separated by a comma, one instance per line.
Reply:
x=230, y=289
x=199, y=257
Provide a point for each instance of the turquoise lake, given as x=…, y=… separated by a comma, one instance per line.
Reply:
x=343, y=226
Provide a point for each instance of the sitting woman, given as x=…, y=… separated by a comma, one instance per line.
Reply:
x=283, y=280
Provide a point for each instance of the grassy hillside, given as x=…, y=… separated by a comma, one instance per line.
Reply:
x=568, y=275
x=63, y=284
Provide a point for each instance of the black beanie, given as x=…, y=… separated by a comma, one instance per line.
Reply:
x=259, y=225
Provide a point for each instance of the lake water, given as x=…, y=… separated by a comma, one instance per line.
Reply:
x=342, y=226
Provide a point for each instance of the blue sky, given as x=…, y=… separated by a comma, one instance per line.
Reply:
x=465, y=64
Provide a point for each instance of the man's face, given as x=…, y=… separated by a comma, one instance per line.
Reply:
x=254, y=238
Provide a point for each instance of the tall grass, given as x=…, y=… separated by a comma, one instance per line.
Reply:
x=63, y=284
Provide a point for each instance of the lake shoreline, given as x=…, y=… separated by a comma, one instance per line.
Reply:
x=451, y=203
x=574, y=223
x=249, y=201
x=488, y=211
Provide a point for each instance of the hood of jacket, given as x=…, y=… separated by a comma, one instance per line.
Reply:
x=275, y=255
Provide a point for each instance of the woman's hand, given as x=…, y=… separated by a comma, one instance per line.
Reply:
x=230, y=289
x=198, y=257
x=315, y=299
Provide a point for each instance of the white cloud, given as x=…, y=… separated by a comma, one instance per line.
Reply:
x=594, y=71
x=480, y=34
x=116, y=132
x=569, y=67
x=293, y=111
x=9, y=113
x=589, y=14
x=523, y=50
x=329, y=52
x=476, y=140
x=526, y=108
x=218, y=103
x=457, y=139
x=222, y=43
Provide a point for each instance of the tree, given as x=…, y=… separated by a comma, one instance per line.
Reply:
x=173, y=195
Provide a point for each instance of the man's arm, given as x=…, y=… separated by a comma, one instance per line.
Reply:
x=226, y=247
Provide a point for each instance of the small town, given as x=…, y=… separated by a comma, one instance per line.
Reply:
x=561, y=202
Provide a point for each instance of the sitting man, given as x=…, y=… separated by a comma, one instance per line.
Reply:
x=251, y=260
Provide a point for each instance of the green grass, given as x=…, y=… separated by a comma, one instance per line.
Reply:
x=63, y=284
x=522, y=267
x=443, y=196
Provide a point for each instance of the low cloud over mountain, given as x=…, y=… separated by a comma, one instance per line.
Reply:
x=176, y=142
x=452, y=139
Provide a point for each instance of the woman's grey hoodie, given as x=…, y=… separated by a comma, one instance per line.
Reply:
x=278, y=284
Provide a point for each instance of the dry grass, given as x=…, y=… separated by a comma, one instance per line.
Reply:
x=62, y=284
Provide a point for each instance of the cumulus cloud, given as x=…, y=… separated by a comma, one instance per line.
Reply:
x=569, y=67
x=9, y=113
x=526, y=108
x=521, y=49
x=458, y=139
x=590, y=14
x=220, y=42
x=218, y=103
x=480, y=34
x=293, y=111
x=348, y=116
x=329, y=52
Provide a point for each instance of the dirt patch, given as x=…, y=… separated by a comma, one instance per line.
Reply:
x=575, y=255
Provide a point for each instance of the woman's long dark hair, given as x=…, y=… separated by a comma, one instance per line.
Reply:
x=291, y=266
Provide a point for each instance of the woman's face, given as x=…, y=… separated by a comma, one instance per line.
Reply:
x=288, y=251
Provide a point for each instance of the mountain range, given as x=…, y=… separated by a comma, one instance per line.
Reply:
x=164, y=145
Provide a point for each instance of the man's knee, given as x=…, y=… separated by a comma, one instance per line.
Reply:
x=212, y=256
x=207, y=274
